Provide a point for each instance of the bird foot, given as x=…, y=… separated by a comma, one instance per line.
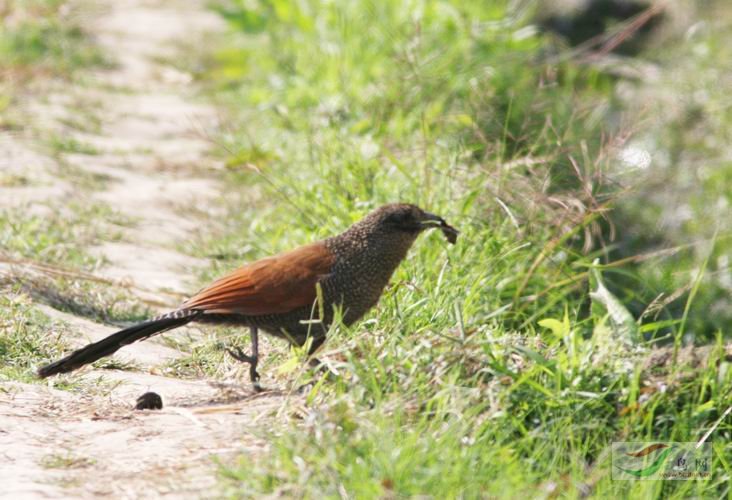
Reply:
x=252, y=361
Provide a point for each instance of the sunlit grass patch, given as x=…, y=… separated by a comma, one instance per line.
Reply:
x=40, y=39
x=43, y=37
x=27, y=337
x=61, y=236
x=206, y=357
x=81, y=296
x=60, y=144
x=48, y=255
x=491, y=414
x=66, y=460
x=206, y=354
x=14, y=180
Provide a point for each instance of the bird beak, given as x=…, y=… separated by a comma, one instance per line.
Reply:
x=432, y=220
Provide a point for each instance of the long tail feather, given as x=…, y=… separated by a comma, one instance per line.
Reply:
x=114, y=342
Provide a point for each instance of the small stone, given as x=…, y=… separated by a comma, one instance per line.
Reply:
x=149, y=401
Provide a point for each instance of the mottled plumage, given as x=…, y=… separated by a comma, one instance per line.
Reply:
x=278, y=294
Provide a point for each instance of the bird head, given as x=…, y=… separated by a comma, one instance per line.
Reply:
x=408, y=219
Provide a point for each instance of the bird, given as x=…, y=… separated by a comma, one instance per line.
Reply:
x=293, y=295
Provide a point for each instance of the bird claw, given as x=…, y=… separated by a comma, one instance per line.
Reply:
x=239, y=355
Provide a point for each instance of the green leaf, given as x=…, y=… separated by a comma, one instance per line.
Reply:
x=559, y=328
x=289, y=366
x=556, y=326
x=624, y=325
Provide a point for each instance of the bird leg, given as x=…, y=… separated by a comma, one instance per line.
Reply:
x=252, y=360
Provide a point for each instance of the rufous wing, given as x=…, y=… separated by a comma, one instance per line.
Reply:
x=274, y=285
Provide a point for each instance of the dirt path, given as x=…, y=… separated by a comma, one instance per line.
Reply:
x=154, y=162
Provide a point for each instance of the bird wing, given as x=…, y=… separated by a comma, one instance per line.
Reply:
x=274, y=285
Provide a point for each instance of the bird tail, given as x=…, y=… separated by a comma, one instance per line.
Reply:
x=114, y=342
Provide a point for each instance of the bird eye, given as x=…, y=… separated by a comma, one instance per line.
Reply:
x=398, y=218
x=403, y=221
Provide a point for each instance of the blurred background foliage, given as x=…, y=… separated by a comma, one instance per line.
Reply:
x=681, y=202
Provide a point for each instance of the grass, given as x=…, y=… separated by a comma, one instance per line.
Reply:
x=39, y=39
x=43, y=37
x=83, y=297
x=48, y=245
x=54, y=248
x=66, y=461
x=488, y=369
x=60, y=236
x=503, y=366
x=70, y=145
x=206, y=356
x=29, y=337
x=14, y=180
x=26, y=336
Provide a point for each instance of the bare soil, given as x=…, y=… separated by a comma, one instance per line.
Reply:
x=152, y=159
